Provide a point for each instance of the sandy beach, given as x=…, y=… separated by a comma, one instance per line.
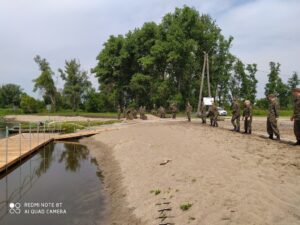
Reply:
x=228, y=178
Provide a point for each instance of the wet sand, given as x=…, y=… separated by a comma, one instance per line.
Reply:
x=229, y=178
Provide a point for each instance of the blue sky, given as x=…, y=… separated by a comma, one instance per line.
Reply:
x=263, y=31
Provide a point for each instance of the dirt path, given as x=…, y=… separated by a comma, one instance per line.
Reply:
x=228, y=178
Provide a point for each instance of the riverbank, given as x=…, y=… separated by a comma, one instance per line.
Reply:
x=204, y=175
x=116, y=211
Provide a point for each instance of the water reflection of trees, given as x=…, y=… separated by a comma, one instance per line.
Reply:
x=46, y=159
x=72, y=155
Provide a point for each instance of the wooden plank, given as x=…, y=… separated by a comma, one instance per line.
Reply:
x=29, y=144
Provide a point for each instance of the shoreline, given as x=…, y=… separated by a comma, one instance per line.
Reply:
x=117, y=211
x=225, y=177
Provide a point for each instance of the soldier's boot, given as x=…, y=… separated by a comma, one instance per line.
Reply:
x=297, y=143
x=250, y=131
x=278, y=138
x=271, y=136
x=238, y=129
x=234, y=128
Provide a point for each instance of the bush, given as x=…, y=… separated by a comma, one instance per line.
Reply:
x=30, y=105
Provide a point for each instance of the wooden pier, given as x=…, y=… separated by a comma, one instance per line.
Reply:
x=16, y=147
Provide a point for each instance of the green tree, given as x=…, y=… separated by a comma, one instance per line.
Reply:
x=276, y=86
x=158, y=63
x=76, y=83
x=29, y=104
x=10, y=95
x=293, y=81
x=243, y=82
x=45, y=83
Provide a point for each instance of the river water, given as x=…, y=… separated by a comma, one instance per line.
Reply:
x=60, y=184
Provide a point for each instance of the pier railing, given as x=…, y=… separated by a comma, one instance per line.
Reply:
x=19, y=136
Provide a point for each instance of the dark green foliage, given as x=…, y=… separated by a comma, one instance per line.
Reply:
x=276, y=86
x=294, y=81
x=243, y=82
x=76, y=83
x=30, y=105
x=10, y=95
x=161, y=63
x=262, y=103
x=45, y=84
x=97, y=102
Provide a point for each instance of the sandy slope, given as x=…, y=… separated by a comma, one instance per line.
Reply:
x=229, y=178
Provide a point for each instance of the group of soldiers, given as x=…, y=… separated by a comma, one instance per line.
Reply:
x=212, y=114
x=272, y=117
x=131, y=113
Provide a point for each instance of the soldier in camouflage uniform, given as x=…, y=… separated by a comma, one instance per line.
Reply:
x=247, y=116
x=162, y=112
x=203, y=112
x=173, y=109
x=134, y=113
x=296, y=115
x=213, y=115
x=142, y=112
x=119, y=112
x=154, y=110
x=124, y=111
x=236, y=115
x=273, y=115
x=129, y=114
x=188, y=110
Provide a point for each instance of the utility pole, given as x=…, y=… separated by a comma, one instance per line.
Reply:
x=205, y=67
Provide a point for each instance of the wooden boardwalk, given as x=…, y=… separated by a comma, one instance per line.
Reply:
x=16, y=147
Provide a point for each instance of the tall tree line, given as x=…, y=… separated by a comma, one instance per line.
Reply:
x=156, y=64
x=161, y=63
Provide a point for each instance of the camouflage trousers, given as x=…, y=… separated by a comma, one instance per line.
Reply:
x=203, y=119
x=248, y=125
x=272, y=127
x=235, y=120
x=188, y=114
x=297, y=129
x=214, y=121
x=173, y=115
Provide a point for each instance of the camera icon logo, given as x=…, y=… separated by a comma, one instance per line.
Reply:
x=14, y=208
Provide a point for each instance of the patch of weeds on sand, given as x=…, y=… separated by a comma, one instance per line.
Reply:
x=185, y=206
x=156, y=192
x=194, y=180
x=177, y=190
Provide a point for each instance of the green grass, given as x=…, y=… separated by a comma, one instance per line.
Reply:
x=70, y=127
x=185, y=206
x=9, y=111
x=156, y=192
x=264, y=112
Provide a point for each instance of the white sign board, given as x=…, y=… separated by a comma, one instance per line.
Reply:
x=208, y=100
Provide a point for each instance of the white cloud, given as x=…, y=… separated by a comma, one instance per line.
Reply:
x=265, y=31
